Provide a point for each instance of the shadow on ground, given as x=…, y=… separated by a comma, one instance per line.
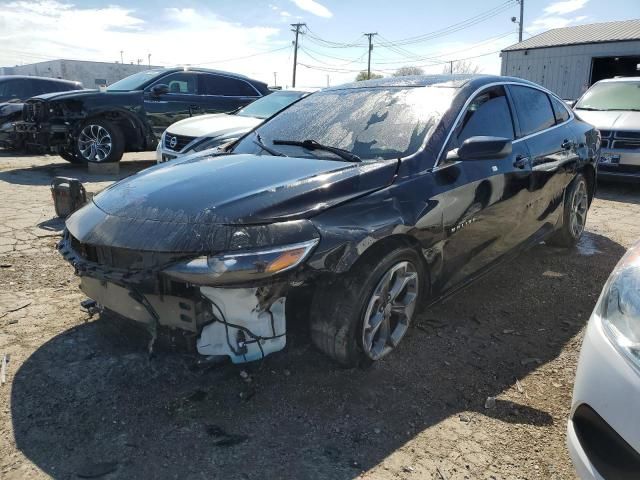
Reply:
x=90, y=398
x=43, y=174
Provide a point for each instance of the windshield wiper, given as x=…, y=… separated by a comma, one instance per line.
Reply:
x=590, y=109
x=258, y=141
x=313, y=145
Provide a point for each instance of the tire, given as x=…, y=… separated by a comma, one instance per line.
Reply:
x=342, y=309
x=576, y=207
x=69, y=156
x=99, y=141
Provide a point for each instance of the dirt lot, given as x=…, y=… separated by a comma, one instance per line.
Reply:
x=82, y=398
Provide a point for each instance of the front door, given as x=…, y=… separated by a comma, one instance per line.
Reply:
x=178, y=103
x=482, y=200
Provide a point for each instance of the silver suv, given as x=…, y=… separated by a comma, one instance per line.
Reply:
x=613, y=107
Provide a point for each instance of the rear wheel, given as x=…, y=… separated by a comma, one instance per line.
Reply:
x=576, y=206
x=363, y=315
x=99, y=141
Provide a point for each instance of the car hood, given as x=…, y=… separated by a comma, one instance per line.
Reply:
x=611, y=120
x=73, y=94
x=212, y=125
x=177, y=205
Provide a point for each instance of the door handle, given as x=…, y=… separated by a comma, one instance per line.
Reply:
x=567, y=145
x=521, y=161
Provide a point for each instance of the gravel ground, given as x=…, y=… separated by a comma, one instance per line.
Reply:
x=83, y=399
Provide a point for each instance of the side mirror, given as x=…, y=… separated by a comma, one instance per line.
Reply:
x=481, y=148
x=159, y=89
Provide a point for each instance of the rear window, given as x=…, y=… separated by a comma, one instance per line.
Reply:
x=559, y=110
x=226, y=86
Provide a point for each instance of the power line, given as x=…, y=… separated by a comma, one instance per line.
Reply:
x=469, y=22
x=240, y=58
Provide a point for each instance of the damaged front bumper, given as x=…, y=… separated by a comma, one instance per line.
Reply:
x=231, y=304
x=47, y=137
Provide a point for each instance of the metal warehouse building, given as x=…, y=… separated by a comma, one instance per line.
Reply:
x=569, y=60
x=90, y=74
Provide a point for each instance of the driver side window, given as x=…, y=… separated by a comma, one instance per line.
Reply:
x=488, y=114
x=180, y=82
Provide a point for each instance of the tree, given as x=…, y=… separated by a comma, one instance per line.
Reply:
x=408, y=70
x=363, y=76
x=462, y=67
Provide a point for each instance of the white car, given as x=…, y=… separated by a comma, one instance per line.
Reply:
x=613, y=107
x=203, y=132
x=603, y=434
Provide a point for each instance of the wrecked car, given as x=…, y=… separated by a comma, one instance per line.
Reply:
x=98, y=127
x=14, y=90
x=379, y=197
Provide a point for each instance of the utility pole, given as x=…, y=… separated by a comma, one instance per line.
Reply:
x=149, y=59
x=451, y=67
x=521, y=21
x=370, y=35
x=297, y=27
x=121, y=56
x=328, y=81
x=275, y=79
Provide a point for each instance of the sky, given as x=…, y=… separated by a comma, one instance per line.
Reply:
x=255, y=38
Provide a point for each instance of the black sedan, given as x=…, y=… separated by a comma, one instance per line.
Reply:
x=378, y=197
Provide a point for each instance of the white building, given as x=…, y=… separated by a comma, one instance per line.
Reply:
x=91, y=74
x=569, y=60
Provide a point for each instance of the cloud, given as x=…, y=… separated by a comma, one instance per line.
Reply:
x=33, y=31
x=564, y=7
x=555, y=16
x=313, y=7
x=284, y=14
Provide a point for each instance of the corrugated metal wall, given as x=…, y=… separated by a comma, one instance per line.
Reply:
x=563, y=70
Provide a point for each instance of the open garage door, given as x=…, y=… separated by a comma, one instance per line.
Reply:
x=609, y=67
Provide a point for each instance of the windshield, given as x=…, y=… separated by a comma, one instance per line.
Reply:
x=134, y=82
x=372, y=123
x=272, y=103
x=611, y=96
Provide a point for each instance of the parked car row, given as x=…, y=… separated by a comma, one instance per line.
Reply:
x=99, y=126
x=374, y=199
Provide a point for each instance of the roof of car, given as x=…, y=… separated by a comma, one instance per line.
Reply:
x=31, y=77
x=620, y=79
x=207, y=70
x=445, y=80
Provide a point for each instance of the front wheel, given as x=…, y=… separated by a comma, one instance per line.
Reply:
x=576, y=206
x=363, y=315
x=99, y=141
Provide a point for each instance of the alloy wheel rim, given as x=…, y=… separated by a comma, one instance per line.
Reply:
x=390, y=310
x=94, y=143
x=578, y=212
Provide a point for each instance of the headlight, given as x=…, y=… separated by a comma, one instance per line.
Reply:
x=242, y=266
x=619, y=306
x=209, y=143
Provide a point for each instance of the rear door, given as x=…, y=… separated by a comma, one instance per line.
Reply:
x=176, y=104
x=222, y=94
x=545, y=125
x=484, y=200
